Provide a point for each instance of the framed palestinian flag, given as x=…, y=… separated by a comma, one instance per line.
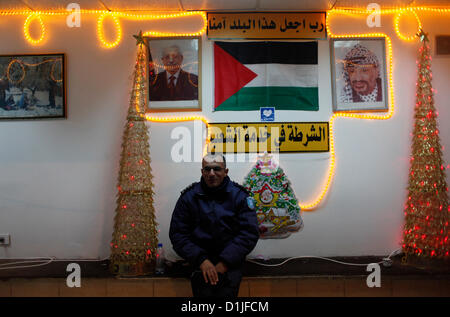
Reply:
x=251, y=75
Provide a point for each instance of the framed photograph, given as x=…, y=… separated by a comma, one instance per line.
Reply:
x=358, y=68
x=32, y=86
x=174, y=73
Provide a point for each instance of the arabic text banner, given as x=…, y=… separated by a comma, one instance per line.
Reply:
x=266, y=25
x=269, y=137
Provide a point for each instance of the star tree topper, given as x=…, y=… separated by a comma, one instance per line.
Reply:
x=139, y=38
x=422, y=36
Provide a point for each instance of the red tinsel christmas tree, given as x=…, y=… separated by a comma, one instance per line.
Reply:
x=427, y=208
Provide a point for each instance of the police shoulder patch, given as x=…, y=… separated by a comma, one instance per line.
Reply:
x=251, y=203
x=188, y=188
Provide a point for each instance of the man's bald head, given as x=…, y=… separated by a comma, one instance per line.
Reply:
x=218, y=158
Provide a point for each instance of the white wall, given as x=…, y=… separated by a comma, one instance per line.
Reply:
x=58, y=177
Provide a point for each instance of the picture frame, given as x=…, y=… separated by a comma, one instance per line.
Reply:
x=32, y=86
x=179, y=57
x=359, y=74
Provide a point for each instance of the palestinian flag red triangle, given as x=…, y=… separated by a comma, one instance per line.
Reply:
x=229, y=75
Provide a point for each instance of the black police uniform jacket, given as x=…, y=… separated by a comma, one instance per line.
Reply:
x=214, y=224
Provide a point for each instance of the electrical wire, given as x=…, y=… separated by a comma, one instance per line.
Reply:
x=384, y=260
x=7, y=266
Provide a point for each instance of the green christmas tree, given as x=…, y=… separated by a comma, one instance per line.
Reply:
x=277, y=207
x=134, y=241
x=427, y=208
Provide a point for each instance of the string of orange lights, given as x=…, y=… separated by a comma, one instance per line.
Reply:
x=102, y=15
x=21, y=63
x=115, y=15
x=315, y=202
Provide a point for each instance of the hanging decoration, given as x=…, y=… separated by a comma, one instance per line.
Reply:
x=115, y=15
x=361, y=12
x=134, y=241
x=277, y=207
x=32, y=15
x=427, y=210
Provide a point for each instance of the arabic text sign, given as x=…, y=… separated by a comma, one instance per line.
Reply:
x=267, y=25
x=270, y=137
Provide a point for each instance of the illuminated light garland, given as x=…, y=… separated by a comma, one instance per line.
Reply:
x=312, y=205
x=53, y=70
x=162, y=66
x=26, y=28
x=163, y=34
x=22, y=63
x=331, y=169
x=15, y=82
x=115, y=15
x=38, y=14
x=397, y=11
x=397, y=29
x=101, y=33
x=389, y=11
x=168, y=16
x=148, y=117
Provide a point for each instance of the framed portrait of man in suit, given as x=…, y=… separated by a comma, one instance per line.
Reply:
x=174, y=73
x=358, y=68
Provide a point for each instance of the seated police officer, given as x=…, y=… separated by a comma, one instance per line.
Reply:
x=214, y=227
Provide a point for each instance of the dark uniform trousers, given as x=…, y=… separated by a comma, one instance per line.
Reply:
x=227, y=286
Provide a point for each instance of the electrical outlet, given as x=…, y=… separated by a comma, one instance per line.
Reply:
x=5, y=239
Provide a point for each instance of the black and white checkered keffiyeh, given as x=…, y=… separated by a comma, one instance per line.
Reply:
x=358, y=55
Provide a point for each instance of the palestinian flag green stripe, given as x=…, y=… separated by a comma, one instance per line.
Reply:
x=285, y=98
